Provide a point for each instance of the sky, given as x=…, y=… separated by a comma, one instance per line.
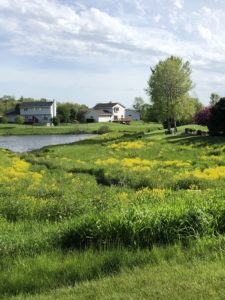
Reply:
x=93, y=51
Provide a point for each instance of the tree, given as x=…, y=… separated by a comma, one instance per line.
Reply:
x=70, y=112
x=148, y=113
x=168, y=88
x=202, y=117
x=214, y=98
x=138, y=104
x=4, y=120
x=216, y=122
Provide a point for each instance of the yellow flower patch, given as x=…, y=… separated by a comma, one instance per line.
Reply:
x=138, y=164
x=128, y=145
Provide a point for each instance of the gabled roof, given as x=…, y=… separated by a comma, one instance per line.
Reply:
x=101, y=112
x=106, y=105
x=36, y=104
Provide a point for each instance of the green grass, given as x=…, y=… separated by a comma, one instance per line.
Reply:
x=14, y=129
x=172, y=273
x=122, y=209
x=185, y=281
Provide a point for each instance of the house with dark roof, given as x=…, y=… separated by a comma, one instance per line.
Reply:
x=106, y=112
x=35, y=112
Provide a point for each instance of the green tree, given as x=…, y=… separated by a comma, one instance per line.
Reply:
x=19, y=120
x=4, y=120
x=214, y=98
x=168, y=88
x=70, y=112
x=7, y=103
x=138, y=104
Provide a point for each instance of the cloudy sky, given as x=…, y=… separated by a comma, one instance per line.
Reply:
x=89, y=51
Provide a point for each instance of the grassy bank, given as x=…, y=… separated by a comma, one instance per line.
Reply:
x=14, y=129
x=121, y=201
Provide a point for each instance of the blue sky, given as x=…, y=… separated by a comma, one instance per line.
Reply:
x=101, y=50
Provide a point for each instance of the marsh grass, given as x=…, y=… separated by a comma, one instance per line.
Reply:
x=103, y=206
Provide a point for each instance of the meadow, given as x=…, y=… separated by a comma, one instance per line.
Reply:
x=16, y=129
x=113, y=213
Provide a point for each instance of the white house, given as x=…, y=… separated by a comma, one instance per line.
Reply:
x=39, y=112
x=106, y=112
x=35, y=112
x=133, y=114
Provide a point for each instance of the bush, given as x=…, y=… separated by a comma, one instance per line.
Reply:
x=203, y=116
x=19, y=120
x=4, y=120
x=103, y=129
x=55, y=121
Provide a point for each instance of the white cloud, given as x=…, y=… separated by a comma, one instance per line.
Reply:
x=179, y=3
x=136, y=33
x=157, y=18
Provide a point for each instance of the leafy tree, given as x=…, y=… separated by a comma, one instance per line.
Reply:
x=63, y=112
x=70, y=112
x=138, y=104
x=214, y=98
x=19, y=120
x=4, y=120
x=148, y=113
x=168, y=88
x=216, y=122
x=7, y=103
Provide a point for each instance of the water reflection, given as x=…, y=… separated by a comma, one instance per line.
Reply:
x=33, y=142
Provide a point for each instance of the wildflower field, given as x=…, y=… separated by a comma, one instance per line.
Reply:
x=80, y=220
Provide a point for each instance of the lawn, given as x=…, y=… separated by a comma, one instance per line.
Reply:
x=125, y=215
x=14, y=129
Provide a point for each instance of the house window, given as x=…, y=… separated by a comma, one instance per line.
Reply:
x=116, y=109
x=25, y=109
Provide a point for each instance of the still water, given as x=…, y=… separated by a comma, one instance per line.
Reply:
x=33, y=142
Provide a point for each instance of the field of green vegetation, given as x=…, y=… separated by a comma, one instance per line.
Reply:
x=132, y=214
x=135, y=126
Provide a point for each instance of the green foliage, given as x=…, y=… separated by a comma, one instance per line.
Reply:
x=7, y=103
x=4, y=120
x=138, y=104
x=168, y=88
x=70, y=112
x=214, y=98
x=55, y=121
x=19, y=120
x=73, y=213
x=104, y=129
x=216, y=123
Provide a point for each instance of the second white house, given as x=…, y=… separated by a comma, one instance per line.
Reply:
x=106, y=112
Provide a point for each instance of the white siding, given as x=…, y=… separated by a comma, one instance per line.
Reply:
x=27, y=111
x=40, y=114
x=104, y=119
x=91, y=115
x=118, y=112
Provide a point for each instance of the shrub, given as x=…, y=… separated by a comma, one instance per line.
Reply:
x=202, y=117
x=4, y=120
x=19, y=119
x=104, y=129
x=55, y=121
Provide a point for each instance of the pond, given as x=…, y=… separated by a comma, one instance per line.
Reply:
x=33, y=142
